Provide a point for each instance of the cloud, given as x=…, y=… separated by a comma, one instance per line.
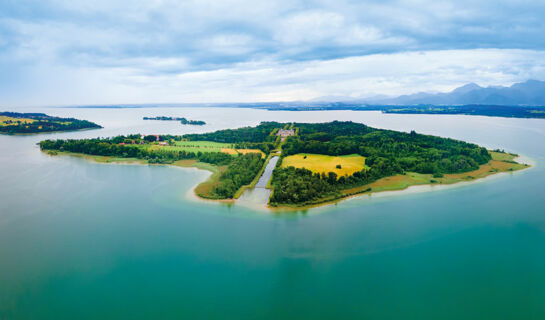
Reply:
x=390, y=74
x=167, y=50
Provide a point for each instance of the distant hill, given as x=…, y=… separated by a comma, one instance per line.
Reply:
x=529, y=93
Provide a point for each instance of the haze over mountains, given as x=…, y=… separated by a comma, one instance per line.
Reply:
x=529, y=93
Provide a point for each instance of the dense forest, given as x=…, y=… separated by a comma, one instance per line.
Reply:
x=258, y=134
x=241, y=171
x=17, y=123
x=387, y=153
x=260, y=137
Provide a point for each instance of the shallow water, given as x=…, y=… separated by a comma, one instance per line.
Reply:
x=86, y=240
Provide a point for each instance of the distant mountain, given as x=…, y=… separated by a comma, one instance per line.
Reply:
x=529, y=93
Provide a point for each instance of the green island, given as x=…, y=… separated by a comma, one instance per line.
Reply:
x=317, y=163
x=27, y=123
x=182, y=120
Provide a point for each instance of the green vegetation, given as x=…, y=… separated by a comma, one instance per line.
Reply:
x=182, y=120
x=501, y=162
x=386, y=152
x=502, y=156
x=21, y=123
x=204, y=145
x=232, y=171
x=322, y=162
x=259, y=137
x=138, y=148
x=241, y=171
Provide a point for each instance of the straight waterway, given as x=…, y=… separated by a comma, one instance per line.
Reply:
x=259, y=195
x=266, y=176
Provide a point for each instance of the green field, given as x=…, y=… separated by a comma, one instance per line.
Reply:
x=502, y=156
x=321, y=163
x=198, y=146
x=204, y=146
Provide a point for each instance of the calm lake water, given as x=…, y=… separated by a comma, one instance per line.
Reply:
x=82, y=240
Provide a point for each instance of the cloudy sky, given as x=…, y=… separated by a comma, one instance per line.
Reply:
x=68, y=52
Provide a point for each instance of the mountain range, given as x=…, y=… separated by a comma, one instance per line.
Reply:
x=529, y=93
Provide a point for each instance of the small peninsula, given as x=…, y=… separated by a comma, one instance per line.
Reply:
x=313, y=163
x=27, y=123
x=182, y=120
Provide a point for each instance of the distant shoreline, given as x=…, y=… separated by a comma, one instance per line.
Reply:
x=503, y=111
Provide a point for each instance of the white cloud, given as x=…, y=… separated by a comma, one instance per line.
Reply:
x=369, y=75
x=114, y=51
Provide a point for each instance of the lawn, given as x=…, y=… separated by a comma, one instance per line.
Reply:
x=210, y=146
x=322, y=163
x=502, y=156
x=202, y=146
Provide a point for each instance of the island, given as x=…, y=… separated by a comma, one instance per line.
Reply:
x=27, y=123
x=314, y=163
x=182, y=120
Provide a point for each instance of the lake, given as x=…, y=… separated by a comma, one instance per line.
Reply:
x=85, y=240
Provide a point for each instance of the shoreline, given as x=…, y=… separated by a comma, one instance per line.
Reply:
x=389, y=190
x=411, y=189
x=408, y=183
x=48, y=132
x=186, y=164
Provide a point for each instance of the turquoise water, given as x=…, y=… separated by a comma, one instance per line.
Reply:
x=96, y=241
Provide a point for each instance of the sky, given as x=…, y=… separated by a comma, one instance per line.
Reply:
x=69, y=52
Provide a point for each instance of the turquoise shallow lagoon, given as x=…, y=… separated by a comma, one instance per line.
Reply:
x=99, y=241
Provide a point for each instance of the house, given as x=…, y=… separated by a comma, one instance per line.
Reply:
x=162, y=143
x=285, y=132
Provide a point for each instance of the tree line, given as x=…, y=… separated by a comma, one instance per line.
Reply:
x=43, y=123
x=241, y=169
x=113, y=147
x=387, y=153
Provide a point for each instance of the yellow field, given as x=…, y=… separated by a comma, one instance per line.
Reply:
x=242, y=151
x=322, y=163
x=3, y=120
